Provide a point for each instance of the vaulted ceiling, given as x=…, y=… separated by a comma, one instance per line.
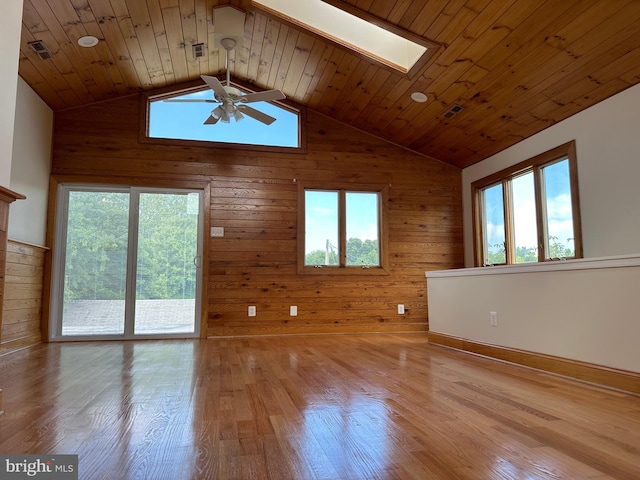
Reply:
x=515, y=66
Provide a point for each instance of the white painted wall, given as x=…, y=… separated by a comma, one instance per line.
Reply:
x=31, y=166
x=607, y=139
x=10, y=26
x=586, y=315
x=591, y=315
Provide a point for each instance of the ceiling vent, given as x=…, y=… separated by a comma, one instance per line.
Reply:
x=198, y=50
x=41, y=49
x=453, y=111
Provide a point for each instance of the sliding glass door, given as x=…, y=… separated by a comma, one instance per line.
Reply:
x=129, y=263
x=166, y=263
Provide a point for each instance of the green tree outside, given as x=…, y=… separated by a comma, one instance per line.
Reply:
x=497, y=254
x=97, y=243
x=358, y=253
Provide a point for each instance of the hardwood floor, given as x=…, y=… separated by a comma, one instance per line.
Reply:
x=379, y=406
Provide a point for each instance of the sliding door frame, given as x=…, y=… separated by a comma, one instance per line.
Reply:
x=54, y=268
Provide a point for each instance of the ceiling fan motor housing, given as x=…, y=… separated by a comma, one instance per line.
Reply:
x=233, y=92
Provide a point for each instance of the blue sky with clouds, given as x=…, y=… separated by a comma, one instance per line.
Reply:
x=558, y=201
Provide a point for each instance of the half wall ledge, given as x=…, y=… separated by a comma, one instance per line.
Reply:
x=579, y=318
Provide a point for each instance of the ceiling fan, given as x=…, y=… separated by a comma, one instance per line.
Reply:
x=232, y=102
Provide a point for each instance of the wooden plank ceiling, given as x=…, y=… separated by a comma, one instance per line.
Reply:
x=516, y=66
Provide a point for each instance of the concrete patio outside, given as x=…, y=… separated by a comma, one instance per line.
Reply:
x=106, y=317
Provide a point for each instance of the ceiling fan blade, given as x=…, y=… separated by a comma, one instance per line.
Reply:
x=266, y=96
x=256, y=114
x=211, y=120
x=191, y=100
x=215, y=85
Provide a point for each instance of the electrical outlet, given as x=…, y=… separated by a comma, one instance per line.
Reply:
x=251, y=312
x=293, y=311
x=217, y=231
x=493, y=317
x=400, y=309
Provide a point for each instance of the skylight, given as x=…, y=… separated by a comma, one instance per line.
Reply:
x=184, y=121
x=377, y=43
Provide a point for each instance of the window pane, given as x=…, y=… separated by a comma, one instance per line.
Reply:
x=558, y=210
x=95, y=270
x=493, y=226
x=321, y=228
x=525, y=229
x=166, y=272
x=184, y=121
x=362, y=229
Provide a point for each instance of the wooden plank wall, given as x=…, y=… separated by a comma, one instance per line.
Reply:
x=22, y=305
x=254, y=197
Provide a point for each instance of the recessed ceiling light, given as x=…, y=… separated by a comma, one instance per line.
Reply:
x=418, y=97
x=88, y=41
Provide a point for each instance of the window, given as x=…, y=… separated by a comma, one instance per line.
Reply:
x=348, y=26
x=184, y=120
x=341, y=230
x=530, y=211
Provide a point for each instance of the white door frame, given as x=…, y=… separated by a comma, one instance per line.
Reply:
x=59, y=259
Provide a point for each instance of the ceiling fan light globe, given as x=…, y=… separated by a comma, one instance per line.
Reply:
x=218, y=112
x=237, y=115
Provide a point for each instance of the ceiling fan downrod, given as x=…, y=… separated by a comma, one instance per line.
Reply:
x=228, y=44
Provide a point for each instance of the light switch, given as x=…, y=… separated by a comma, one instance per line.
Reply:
x=217, y=231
